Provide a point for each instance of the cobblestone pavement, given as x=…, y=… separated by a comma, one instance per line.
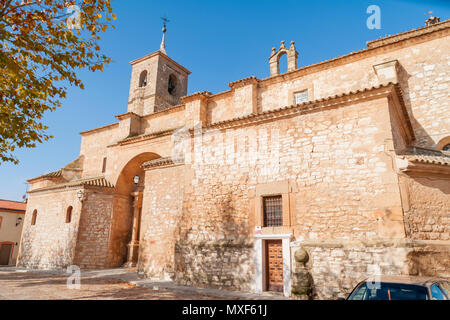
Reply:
x=19, y=284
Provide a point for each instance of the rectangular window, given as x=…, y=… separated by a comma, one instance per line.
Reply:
x=273, y=212
x=300, y=97
x=104, y=165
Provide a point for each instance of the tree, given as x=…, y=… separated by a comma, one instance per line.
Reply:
x=43, y=43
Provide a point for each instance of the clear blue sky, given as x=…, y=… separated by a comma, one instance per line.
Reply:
x=220, y=42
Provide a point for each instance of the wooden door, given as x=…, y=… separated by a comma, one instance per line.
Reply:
x=5, y=253
x=274, y=265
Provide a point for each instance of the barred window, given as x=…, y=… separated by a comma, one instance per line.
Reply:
x=273, y=213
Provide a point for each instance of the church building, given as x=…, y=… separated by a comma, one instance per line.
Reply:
x=304, y=182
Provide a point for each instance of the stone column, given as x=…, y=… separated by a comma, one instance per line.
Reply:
x=133, y=246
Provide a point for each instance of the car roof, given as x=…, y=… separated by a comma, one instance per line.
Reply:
x=417, y=280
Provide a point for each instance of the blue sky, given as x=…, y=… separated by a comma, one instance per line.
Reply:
x=219, y=42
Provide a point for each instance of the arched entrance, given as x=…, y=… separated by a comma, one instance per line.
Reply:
x=130, y=189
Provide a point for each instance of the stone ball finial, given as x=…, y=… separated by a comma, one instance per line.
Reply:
x=301, y=255
x=292, y=43
x=282, y=43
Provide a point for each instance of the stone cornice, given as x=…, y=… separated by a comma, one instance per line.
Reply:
x=389, y=39
x=93, y=182
x=399, y=243
x=176, y=108
x=243, y=82
x=146, y=136
x=162, y=163
x=127, y=115
x=201, y=95
x=339, y=100
x=159, y=53
x=108, y=126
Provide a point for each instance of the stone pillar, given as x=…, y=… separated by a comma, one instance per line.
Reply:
x=302, y=279
x=133, y=246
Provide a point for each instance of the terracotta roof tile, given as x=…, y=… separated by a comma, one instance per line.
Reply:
x=162, y=162
x=13, y=205
x=424, y=155
x=95, y=181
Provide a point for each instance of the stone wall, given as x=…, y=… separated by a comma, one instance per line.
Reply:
x=50, y=243
x=337, y=267
x=161, y=221
x=427, y=207
x=217, y=264
x=94, y=229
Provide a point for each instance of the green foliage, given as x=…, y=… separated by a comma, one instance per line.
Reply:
x=39, y=54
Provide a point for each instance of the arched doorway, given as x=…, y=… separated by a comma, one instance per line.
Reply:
x=129, y=195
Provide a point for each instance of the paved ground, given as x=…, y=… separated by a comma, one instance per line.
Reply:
x=20, y=284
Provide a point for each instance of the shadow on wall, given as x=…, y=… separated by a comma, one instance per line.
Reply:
x=429, y=262
x=422, y=137
x=217, y=253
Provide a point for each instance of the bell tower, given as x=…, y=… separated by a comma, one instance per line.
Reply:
x=157, y=82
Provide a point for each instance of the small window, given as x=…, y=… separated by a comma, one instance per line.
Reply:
x=104, y=165
x=143, y=79
x=446, y=147
x=69, y=214
x=1, y=218
x=171, y=88
x=273, y=213
x=34, y=217
x=300, y=97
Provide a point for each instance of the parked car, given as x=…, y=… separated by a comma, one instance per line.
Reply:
x=401, y=288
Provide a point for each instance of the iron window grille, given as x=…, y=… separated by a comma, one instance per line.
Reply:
x=273, y=213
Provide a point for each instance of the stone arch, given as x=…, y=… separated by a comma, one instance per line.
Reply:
x=125, y=226
x=34, y=217
x=444, y=144
x=69, y=214
x=274, y=59
x=143, y=79
x=172, y=84
x=124, y=184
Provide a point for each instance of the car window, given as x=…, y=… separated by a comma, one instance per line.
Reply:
x=390, y=291
x=436, y=293
x=445, y=287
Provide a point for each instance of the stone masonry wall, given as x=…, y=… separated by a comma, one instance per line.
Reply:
x=427, y=208
x=423, y=75
x=50, y=243
x=94, y=229
x=345, y=187
x=337, y=267
x=160, y=223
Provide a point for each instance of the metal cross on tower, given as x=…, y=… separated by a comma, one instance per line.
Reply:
x=162, y=47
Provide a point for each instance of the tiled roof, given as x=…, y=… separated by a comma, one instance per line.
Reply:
x=12, y=205
x=388, y=39
x=424, y=155
x=161, y=162
x=95, y=182
x=54, y=174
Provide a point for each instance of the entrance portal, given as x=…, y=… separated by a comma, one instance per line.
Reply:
x=274, y=265
x=130, y=188
x=5, y=253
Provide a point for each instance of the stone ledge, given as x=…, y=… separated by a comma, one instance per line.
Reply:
x=398, y=243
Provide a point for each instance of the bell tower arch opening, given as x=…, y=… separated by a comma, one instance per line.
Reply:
x=126, y=224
